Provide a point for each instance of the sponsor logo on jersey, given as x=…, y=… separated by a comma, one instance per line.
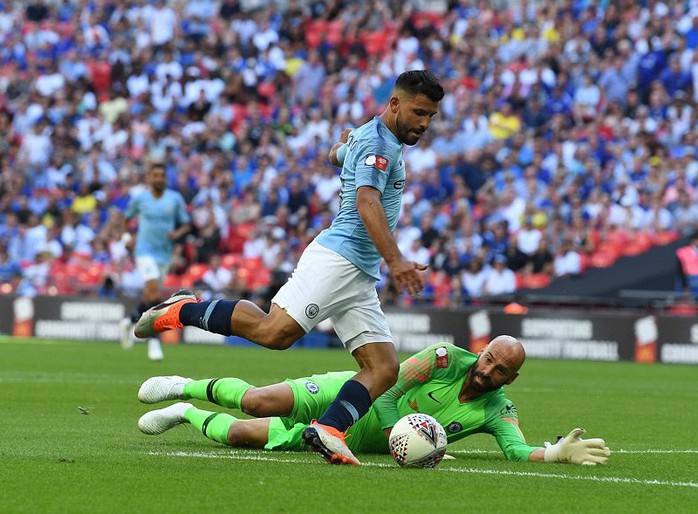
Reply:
x=312, y=310
x=312, y=387
x=509, y=410
x=377, y=161
x=454, y=427
x=441, y=357
x=399, y=184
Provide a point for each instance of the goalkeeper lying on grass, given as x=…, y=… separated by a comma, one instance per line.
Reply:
x=463, y=391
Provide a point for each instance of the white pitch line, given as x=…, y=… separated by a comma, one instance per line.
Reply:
x=590, y=478
x=496, y=452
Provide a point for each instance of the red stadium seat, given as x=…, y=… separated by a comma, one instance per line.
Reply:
x=260, y=279
x=172, y=281
x=602, y=259
x=614, y=248
x=536, y=280
x=585, y=261
x=335, y=32
x=665, y=237
x=231, y=261
x=196, y=271
x=375, y=42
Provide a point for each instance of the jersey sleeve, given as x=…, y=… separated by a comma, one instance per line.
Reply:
x=416, y=370
x=373, y=162
x=503, y=423
x=342, y=153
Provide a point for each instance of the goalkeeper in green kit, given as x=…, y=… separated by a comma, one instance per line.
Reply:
x=463, y=391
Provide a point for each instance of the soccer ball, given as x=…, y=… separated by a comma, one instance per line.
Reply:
x=418, y=441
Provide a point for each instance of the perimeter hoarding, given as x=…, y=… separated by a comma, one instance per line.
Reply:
x=561, y=334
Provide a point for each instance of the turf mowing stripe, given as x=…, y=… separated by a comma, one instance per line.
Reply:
x=614, y=480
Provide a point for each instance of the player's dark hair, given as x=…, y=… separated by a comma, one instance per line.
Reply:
x=420, y=82
x=157, y=165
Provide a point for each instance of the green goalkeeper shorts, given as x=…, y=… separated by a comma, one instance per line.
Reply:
x=312, y=395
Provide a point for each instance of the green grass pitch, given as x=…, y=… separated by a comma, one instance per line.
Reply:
x=69, y=441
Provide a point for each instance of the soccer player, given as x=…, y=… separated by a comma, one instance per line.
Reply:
x=162, y=219
x=463, y=391
x=337, y=274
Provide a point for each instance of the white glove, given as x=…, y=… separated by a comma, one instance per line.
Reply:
x=574, y=449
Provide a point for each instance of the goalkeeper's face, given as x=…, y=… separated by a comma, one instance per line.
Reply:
x=497, y=365
x=486, y=377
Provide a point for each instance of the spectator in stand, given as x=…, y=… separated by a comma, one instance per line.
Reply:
x=217, y=279
x=500, y=280
x=586, y=100
x=8, y=267
x=542, y=260
x=504, y=123
x=528, y=240
x=674, y=79
x=613, y=82
x=80, y=111
x=473, y=279
x=686, y=214
x=567, y=261
x=687, y=267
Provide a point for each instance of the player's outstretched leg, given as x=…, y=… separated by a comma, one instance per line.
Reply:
x=329, y=442
x=158, y=421
x=214, y=425
x=224, y=428
x=159, y=389
x=164, y=316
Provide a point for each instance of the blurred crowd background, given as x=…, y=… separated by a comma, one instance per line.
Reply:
x=567, y=137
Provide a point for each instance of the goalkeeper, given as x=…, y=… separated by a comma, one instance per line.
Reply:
x=463, y=391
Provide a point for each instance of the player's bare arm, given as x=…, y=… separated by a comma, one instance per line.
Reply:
x=404, y=272
x=334, y=160
x=179, y=232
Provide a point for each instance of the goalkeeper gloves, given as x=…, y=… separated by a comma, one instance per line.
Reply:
x=574, y=449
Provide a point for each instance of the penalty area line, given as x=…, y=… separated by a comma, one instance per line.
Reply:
x=473, y=471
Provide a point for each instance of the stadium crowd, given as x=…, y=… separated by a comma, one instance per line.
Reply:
x=567, y=136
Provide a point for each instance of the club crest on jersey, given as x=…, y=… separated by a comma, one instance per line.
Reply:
x=441, y=357
x=312, y=387
x=377, y=161
x=454, y=427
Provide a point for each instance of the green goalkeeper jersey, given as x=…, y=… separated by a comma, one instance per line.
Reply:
x=430, y=382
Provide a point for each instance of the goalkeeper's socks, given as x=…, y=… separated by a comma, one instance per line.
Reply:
x=214, y=425
x=226, y=392
x=210, y=316
x=351, y=403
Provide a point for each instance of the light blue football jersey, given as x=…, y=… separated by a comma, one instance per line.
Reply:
x=373, y=158
x=157, y=217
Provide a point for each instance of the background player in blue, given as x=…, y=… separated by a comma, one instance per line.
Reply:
x=162, y=219
x=336, y=275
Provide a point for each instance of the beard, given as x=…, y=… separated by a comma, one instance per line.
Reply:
x=482, y=384
x=404, y=134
